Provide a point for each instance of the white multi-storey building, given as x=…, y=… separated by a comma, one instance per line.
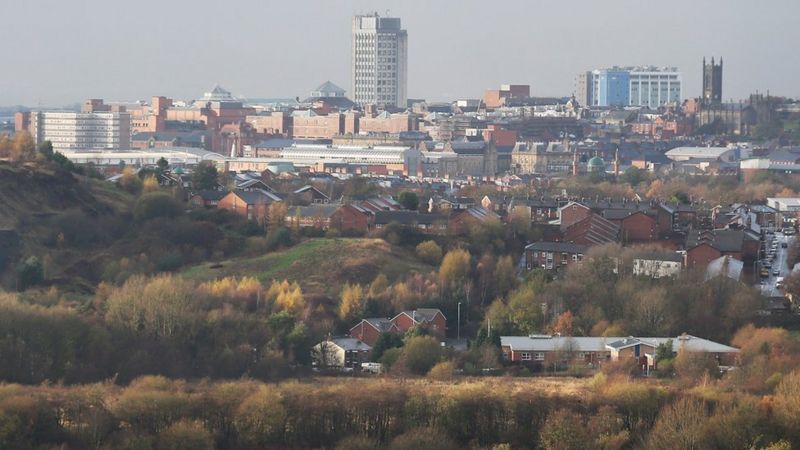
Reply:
x=71, y=131
x=655, y=86
x=379, y=61
x=648, y=86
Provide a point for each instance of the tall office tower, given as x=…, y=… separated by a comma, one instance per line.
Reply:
x=583, y=89
x=712, y=82
x=379, y=61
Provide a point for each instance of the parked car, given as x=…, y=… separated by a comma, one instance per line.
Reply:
x=372, y=367
x=784, y=245
x=776, y=272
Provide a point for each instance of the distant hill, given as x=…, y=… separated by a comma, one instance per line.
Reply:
x=321, y=265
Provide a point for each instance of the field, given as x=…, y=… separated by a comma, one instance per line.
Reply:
x=320, y=265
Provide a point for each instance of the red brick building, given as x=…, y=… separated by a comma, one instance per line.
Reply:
x=351, y=218
x=252, y=205
x=638, y=227
x=553, y=255
x=368, y=330
x=431, y=318
x=572, y=213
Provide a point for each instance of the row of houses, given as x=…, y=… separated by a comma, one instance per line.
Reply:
x=689, y=240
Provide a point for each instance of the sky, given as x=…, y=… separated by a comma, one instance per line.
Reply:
x=57, y=52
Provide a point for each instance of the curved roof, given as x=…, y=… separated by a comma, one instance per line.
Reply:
x=596, y=161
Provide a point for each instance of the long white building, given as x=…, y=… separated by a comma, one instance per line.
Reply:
x=379, y=71
x=72, y=131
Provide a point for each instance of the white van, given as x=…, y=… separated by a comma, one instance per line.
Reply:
x=372, y=367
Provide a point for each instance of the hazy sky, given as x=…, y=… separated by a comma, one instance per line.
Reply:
x=61, y=51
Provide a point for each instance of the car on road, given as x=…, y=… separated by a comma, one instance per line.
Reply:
x=788, y=231
x=784, y=245
x=776, y=272
x=767, y=264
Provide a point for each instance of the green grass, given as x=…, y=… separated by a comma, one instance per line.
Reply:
x=320, y=265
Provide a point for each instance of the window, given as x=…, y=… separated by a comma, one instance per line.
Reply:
x=525, y=356
x=538, y=356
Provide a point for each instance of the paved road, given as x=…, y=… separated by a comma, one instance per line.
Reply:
x=768, y=288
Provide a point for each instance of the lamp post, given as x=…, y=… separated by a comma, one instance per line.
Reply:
x=459, y=320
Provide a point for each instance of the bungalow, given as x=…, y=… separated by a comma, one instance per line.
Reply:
x=368, y=330
x=428, y=317
x=253, y=205
x=546, y=349
x=340, y=353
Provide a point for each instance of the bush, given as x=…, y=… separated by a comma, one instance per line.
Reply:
x=430, y=252
x=423, y=438
x=156, y=204
x=443, y=371
x=185, y=434
x=30, y=273
x=421, y=353
x=358, y=443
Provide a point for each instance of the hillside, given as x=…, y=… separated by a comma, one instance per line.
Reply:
x=320, y=265
x=34, y=197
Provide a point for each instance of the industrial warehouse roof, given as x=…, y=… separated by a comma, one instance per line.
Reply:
x=697, y=152
x=547, y=343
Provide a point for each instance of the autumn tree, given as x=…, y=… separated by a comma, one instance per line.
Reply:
x=351, y=302
x=259, y=420
x=564, y=430
x=130, y=181
x=150, y=183
x=23, y=147
x=455, y=268
x=429, y=252
x=679, y=426
x=185, y=435
x=158, y=306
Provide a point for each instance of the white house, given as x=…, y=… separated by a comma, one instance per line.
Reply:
x=341, y=352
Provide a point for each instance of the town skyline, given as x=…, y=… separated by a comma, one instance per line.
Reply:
x=56, y=63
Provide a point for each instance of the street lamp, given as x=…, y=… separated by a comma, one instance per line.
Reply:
x=459, y=320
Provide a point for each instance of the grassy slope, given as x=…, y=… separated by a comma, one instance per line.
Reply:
x=320, y=265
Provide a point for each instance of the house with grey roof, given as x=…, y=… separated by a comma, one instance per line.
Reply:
x=340, y=353
x=555, y=350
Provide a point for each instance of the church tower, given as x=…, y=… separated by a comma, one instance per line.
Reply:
x=712, y=82
x=616, y=163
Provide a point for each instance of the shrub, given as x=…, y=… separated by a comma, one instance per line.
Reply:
x=443, y=371
x=156, y=204
x=421, y=353
x=430, y=252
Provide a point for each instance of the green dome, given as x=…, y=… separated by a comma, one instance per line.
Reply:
x=597, y=161
x=179, y=170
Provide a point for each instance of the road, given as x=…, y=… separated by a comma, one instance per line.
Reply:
x=768, y=289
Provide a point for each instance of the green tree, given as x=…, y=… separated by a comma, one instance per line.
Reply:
x=205, y=176
x=46, y=149
x=409, y=200
x=156, y=204
x=30, y=273
x=421, y=353
x=384, y=342
x=633, y=176
x=162, y=164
